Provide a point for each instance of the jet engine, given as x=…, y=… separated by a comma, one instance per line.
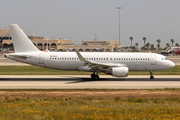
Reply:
x=118, y=71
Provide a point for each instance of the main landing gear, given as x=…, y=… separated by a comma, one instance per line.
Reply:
x=95, y=76
x=151, y=73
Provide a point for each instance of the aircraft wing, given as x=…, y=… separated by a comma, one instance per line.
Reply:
x=98, y=65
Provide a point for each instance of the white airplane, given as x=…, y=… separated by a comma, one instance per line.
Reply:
x=117, y=64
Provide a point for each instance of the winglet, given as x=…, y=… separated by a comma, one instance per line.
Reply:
x=80, y=56
x=66, y=49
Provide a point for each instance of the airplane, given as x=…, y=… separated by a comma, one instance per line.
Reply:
x=117, y=64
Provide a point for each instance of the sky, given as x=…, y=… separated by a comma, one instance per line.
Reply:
x=81, y=19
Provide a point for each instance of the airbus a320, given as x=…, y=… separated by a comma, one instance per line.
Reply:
x=117, y=64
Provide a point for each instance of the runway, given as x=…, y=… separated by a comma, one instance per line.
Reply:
x=85, y=82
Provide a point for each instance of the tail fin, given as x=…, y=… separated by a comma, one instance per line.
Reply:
x=21, y=42
x=1, y=43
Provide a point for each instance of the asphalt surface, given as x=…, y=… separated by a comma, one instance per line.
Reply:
x=85, y=82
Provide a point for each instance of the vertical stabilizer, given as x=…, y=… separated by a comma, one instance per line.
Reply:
x=21, y=42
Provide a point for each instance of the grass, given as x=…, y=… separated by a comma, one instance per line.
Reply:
x=89, y=109
x=22, y=105
x=34, y=70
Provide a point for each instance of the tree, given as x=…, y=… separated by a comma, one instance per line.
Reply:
x=152, y=47
x=136, y=45
x=177, y=44
x=158, y=43
x=172, y=40
x=144, y=38
x=167, y=45
x=147, y=45
x=131, y=38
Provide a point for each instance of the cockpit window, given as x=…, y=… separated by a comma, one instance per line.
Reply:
x=164, y=59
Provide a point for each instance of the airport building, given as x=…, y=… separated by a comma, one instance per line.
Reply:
x=61, y=44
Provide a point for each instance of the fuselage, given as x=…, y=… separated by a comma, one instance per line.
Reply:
x=70, y=60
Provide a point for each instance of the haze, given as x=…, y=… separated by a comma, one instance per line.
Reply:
x=81, y=19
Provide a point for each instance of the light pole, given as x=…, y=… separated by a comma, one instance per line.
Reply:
x=119, y=25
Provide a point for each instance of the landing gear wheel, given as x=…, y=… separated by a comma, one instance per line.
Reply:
x=96, y=77
x=151, y=73
x=93, y=76
x=152, y=77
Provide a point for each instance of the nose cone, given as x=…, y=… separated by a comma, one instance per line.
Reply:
x=171, y=64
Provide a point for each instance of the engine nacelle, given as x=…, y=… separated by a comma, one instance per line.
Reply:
x=82, y=68
x=119, y=71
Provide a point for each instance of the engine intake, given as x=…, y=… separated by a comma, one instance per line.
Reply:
x=118, y=71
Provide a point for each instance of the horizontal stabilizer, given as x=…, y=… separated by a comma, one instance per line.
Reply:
x=19, y=56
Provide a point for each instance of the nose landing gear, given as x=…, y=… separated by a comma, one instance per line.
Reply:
x=151, y=73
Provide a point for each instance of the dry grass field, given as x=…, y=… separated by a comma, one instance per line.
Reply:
x=90, y=104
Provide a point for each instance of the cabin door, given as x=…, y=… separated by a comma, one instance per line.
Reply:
x=41, y=58
x=153, y=60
